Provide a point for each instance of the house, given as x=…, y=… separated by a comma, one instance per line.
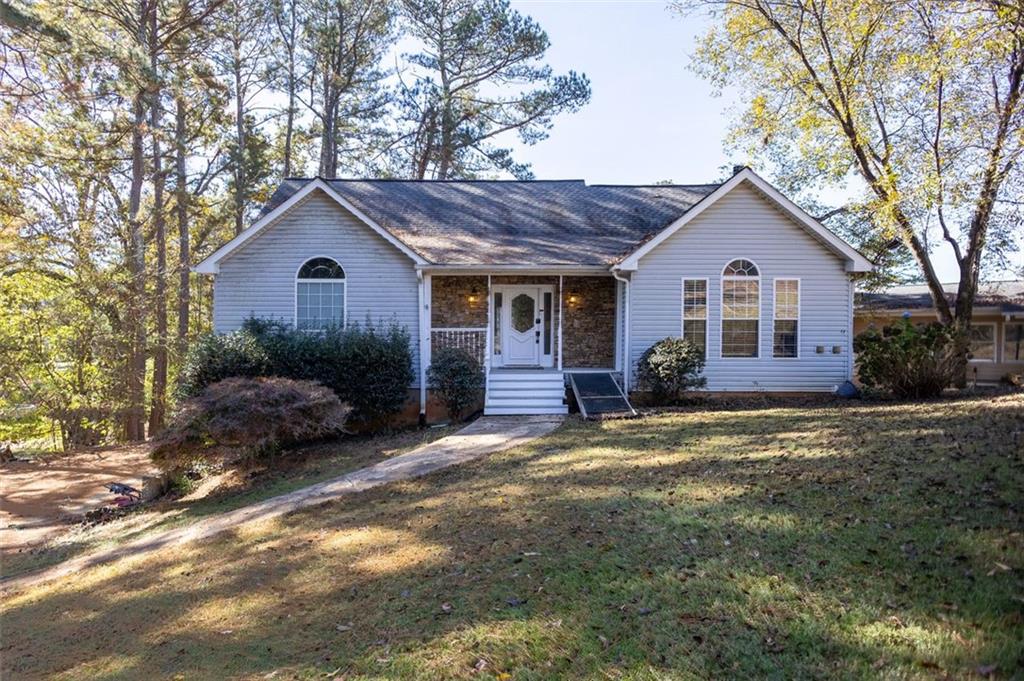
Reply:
x=997, y=323
x=547, y=279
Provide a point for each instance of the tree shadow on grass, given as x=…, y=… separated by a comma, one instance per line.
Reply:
x=829, y=543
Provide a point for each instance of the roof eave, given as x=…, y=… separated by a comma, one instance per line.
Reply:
x=211, y=264
x=533, y=268
x=855, y=261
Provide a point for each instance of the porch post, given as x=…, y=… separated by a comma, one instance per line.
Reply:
x=561, y=293
x=488, y=351
x=423, y=298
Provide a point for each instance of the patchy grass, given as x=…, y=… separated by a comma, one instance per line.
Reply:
x=856, y=540
x=279, y=475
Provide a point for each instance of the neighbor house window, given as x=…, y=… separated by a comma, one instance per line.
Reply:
x=1013, y=342
x=741, y=304
x=320, y=295
x=695, y=312
x=785, y=339
x=982, y=342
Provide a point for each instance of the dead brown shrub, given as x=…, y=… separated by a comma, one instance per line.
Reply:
x=237, y=419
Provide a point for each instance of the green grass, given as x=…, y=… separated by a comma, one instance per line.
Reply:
x=280, y=475
x=848, y=541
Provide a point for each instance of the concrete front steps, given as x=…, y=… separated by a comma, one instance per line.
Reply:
x=525, y=391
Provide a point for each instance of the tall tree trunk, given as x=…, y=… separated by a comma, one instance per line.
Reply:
x=135, y=374
x=289, y=130
x=181, y=209
x=329, y=138
x=240, y=179
x=158, y=397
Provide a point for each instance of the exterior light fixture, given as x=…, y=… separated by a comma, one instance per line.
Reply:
x=573, y=298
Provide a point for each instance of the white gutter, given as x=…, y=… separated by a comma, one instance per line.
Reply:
x=539, y=270
x=626, y=357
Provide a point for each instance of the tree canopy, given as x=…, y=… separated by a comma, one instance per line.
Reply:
x=137, y=137
x=920, y=100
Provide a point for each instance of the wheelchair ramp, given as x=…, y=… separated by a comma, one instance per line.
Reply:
x=599, y=396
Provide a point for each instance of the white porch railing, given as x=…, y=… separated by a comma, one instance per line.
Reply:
x=471, y=339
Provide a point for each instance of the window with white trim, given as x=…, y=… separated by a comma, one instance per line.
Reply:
x=981, y=342
x=1013, y=342
x=786, y=332
x=741, y=309
x=695, y=312
x=320, y=295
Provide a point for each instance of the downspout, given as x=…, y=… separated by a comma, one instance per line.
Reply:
x=849, y=340
x=423, y=346
x=625, y=341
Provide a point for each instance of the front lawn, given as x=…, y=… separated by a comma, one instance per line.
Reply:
x=288, y=471
x=857, y=540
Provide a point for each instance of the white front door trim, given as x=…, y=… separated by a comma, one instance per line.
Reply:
x=524, y=348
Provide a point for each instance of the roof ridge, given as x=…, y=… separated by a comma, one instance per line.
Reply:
x=644, y=186
x=424, y=181
x=503, y=181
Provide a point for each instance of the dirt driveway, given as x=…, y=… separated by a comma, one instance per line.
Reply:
x=40, y=499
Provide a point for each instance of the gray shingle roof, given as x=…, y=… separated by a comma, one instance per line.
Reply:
x=1007, y=295
x=564, y=222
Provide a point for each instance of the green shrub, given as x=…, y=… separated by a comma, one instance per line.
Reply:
x=907, y=360
x=215, y=357
x=301, y=355
x=369, y=367
x=238, y=419
x=374, y=369
x=458, y=378
x=670, y=367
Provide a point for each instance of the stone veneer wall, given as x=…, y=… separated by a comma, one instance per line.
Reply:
x=589, y=333
x=450, y=305
x=589, y=323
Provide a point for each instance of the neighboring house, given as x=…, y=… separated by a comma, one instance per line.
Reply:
x=543, y=278
x=997, y=324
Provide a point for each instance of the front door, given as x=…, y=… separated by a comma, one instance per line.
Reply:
x=526, y=328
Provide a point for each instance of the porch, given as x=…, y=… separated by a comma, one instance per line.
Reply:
x=527, y=331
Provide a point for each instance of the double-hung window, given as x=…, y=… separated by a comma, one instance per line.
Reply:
x=695, y=313
x=1013, y=342
x=741, y=309
x=786, y=336
x=982, y=342
x=320, y=295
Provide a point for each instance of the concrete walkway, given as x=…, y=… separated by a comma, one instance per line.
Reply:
x=484, y=436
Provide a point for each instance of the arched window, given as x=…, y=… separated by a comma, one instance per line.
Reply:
x=319, y=295
x=741, y=309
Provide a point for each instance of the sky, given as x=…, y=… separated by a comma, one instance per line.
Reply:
x=650, y=118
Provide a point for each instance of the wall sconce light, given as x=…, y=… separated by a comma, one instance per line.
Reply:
x=573, y=298
x=473, y=296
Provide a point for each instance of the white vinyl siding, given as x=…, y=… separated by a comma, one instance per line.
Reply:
x=745, y=224
x=695, y=313
x=259, y=279
x=786, y=318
